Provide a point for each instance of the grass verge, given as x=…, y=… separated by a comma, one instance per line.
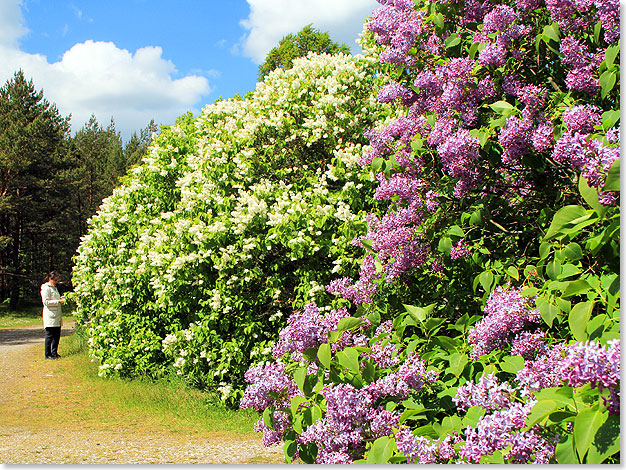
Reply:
x=69, y=392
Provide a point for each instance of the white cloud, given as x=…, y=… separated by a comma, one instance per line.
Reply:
x=270, y=20
x=100, y=78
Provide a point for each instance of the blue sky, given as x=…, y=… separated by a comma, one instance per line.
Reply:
x=136, y=60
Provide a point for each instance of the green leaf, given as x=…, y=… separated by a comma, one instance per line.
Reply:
x=323, y=354
x=381, y=451
x=610, y=118
x=452, y=40
x=544, y=250
x=539, y=411
x=586, y=425
x=612, y=179
x=565, y=453
x=348, y=323
x=268, y=417
x=578, y=319
x=551, y=32
x=456, y=231
x=512, y=364
x=290, y=448
x=590, y=195
x=419, y=313
x=299, y=376
x=349, y=358
x=564, y=216
x=576, y=287
x=573, y=251
x=295, y=403
x=547, y=310
x=607, y=82
x=457, y=361
x=503, y=108
x=606, y=441
x=611, y=54
x=513, y=272
x=553, y=269
x=473, y=415
x=486, y=279
x=445, y=245
x=568, y=270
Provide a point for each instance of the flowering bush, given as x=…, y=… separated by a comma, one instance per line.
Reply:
x=234, y=219
x=485, y=321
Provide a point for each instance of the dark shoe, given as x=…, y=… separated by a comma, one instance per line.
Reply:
x=56, y=357
x=49, y=357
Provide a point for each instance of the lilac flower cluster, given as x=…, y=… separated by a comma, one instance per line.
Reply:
x=274, y=436
x=306, y=329
x=268, y=381
x=487, y=393
x=507, y=312
x=410, y=376
x=383, y=351
x=572, y=15
x=460, y=250
x=397, y=25
x=597, y=365
x=529, y=344
x=422, y=450
x=350, y=419
x=502, y=429
x=586, y=154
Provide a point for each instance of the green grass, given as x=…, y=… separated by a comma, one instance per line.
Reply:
x=168, y=402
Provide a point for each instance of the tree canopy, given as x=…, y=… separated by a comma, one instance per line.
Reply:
x=292, y=46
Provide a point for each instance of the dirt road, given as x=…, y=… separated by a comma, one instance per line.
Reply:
x=44, y=419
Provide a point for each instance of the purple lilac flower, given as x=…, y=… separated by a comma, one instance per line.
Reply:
x=384, y=353
x=582, y=118
x=592, y=158
x=493, y=54
x=350, y=419
x=306, y=329
x=411, y=375
x=458, y=155
x=460, y=250
x=574, y=52
x=501, y=429
x=499, y=19
x=597, y=365
x=507, y=312
x=273, y=436
x=266, y=379
x=609, y=13
x=533, y=97
x=544, y=371
x=516, y=139
x=582, y=79
x=487, y=393
x=394, y=90
x=529, y=344
x=422, y=450
x=397, y=25
x=543, y=136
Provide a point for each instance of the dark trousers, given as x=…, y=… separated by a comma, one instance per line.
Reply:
x=53, y=334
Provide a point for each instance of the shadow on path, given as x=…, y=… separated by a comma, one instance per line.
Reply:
x=28, y=335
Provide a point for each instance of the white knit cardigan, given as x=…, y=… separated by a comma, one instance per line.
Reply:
x=51, y=306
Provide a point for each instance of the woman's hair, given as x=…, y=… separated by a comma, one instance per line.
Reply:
x=52, y=275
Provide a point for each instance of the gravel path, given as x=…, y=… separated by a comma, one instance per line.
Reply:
x=25, y=377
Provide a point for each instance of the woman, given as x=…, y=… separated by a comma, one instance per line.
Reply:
x=52, y=320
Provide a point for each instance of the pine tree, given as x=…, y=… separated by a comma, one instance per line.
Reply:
x=32, y=138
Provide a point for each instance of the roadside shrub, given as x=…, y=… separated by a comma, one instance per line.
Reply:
x=487, y=322
x=234, y=219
